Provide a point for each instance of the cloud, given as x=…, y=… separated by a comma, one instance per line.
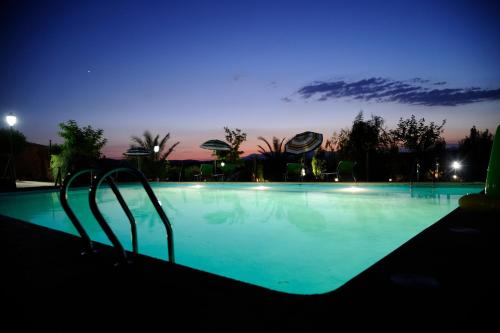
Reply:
x=419, y=80
x=286, y=99
x=415, y=91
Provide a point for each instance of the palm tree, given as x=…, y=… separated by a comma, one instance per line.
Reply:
x=275, y=151
x=156, y=163
x=275, y=156
x=148, y=143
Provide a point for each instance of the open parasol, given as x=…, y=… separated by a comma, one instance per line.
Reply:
x=303, y=143
x=215, y=145
x=138, y=151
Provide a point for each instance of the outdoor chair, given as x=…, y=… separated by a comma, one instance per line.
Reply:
x=293, y=170
x=345, y=171
x=328, y=174
x=206, y=171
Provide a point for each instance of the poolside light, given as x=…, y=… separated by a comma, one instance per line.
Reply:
x=455, y=165
x=222, y=164
x=303, y=172
x=11, y=119
x=390, y=179
x=336, y=179
x=156, y=149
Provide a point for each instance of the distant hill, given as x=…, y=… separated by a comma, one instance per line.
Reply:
x=252, y=156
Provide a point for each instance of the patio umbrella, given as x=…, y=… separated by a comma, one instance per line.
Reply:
x=303, y=143
x=216, y=145
x=137, y=151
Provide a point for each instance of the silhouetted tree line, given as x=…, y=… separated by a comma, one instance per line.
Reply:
x=474, y=153
x=412, y=151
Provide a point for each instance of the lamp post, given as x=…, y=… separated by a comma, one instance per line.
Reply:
x=11, y=120
x=156, y=149
x=455, y=165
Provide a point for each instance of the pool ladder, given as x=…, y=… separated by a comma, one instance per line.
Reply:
x=97, y=177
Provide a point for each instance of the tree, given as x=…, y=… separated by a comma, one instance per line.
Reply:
x=275, y=156
x=275, y=151
x=424, y=142
x=416, y=136
x=81, y=147
x=148, y=142
x=18, y=141
x=365, y=138
x=330, y=151
x=12, y=142
x=318, y=163
x=235, y=138
x=155, y=164
x=475, y=152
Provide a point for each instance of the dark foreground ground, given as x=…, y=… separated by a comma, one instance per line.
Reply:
x=444, y=279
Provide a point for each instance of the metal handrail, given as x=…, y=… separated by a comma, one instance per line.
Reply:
x=102, y=222
x=63, y=197
x=123, y=204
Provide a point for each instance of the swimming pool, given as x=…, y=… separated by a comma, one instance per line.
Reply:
x=295, y=238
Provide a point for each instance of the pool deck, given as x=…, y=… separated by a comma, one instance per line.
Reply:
x=444, y=279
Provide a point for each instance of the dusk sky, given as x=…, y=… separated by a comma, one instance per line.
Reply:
x=189, y=68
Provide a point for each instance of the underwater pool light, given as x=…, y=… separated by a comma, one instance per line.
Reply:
x=353, y=189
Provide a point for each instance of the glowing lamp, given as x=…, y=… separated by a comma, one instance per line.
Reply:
x=11, y=119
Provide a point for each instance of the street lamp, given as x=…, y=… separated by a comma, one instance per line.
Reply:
x=11, y=120
x=156, y=149
x=455, y=165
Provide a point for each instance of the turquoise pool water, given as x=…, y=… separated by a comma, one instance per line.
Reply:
x=303, y=239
